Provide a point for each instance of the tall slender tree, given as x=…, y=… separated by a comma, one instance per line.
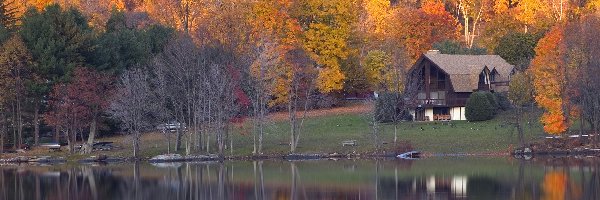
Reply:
x=18, y=64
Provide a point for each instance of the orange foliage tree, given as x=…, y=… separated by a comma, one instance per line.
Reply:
x=418, y=29
x=551, y=79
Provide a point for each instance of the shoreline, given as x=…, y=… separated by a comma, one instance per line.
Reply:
x=283, y=157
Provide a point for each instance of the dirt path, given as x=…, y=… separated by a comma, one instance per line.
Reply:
x=353, y=109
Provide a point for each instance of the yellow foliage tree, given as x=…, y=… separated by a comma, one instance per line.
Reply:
x=541, y=14
x=184, y=15
x=326, y=28
x=377, y=17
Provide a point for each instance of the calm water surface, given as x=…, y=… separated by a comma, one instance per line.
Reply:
x=433, y=178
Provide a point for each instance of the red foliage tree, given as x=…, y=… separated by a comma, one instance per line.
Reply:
x=78, y=104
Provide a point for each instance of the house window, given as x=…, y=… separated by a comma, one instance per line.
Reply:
x=483, y=78
x=441, y=84
x=433, y=95
x=438, y=95
x=421, y=95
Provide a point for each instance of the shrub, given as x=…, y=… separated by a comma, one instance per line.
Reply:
x=503, y=102
x=479, y=108
x=493, y=102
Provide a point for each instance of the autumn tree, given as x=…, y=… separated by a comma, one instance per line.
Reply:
x=66, y=112
x=77, y=105
x=377, y=63
x=274, y=32
x=520, y=93
x=326, y=27
x=376, y=20
x=8, y=14
x=284, y=72
x=89, y=84
x=417, y=30
x=472, y=12
x=16, y=64
x=551, y=81
x=499, y=26
x=583, y=46
x=541, y=14
x=302, y=76
x=185, y=15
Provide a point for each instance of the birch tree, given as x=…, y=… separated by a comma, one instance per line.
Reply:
x=472, y=12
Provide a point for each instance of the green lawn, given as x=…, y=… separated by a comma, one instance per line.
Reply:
x=325, y=134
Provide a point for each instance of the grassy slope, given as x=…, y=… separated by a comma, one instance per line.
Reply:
x=324, y=131
x=325, y=134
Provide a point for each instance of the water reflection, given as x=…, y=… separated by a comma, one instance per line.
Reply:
x=437, y=178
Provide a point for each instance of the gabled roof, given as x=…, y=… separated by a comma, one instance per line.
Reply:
x=464, y=70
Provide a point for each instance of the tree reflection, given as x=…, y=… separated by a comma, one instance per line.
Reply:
x=297, y=180
x=556, y=186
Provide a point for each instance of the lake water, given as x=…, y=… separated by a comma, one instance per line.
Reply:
x=432, y=178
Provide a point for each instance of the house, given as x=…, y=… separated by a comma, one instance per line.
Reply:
x=446, y=81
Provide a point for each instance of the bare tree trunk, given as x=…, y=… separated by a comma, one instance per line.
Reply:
x=178, y=140
x=254, y=131
x=4, y=131
x=375, y=130
x=261, y=129
x=36, y=121
x=87, y=148
x=467, y=34
x=168, y=136
x=70, y=136
x=136, y=144
x=292, y=116
x=518, y=124
x=19, y=122
x=14, y=130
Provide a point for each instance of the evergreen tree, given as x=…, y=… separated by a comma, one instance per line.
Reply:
x=58, y=40
x=122, y=47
